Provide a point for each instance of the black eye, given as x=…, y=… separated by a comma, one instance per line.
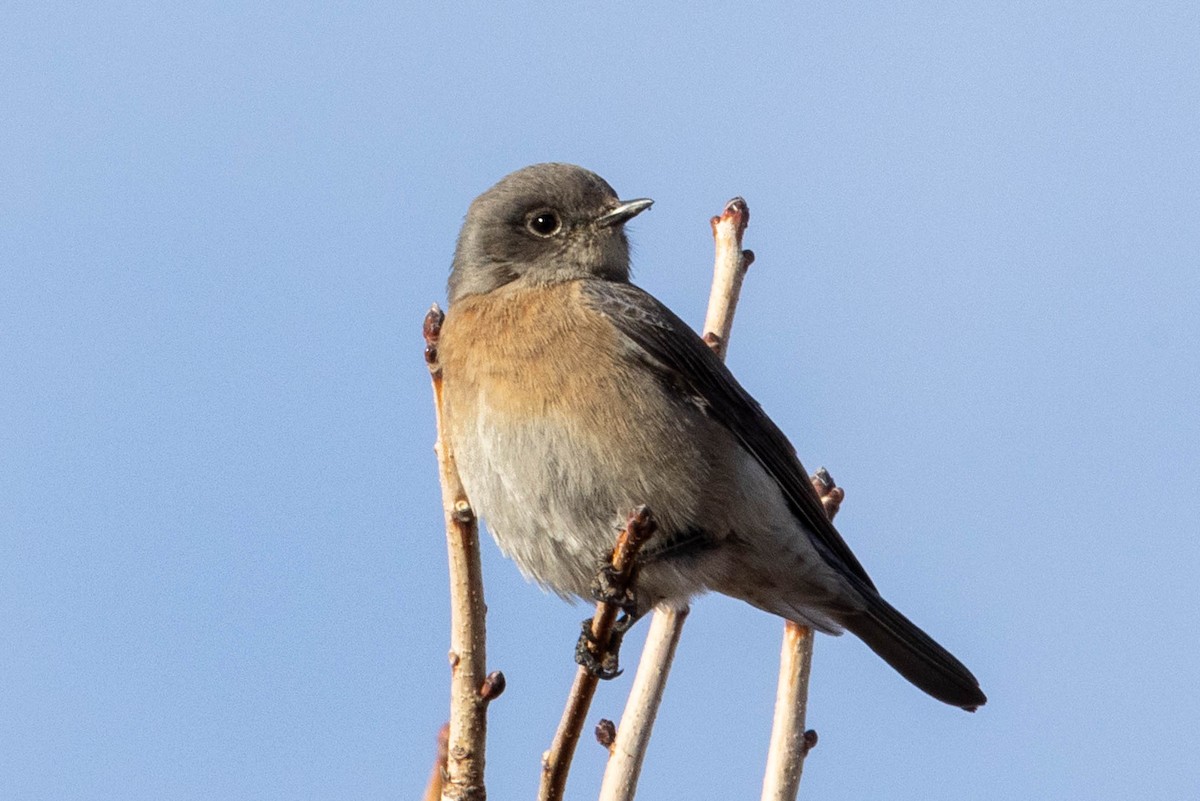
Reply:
x=543, y=223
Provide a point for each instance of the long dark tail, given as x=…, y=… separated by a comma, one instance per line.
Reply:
x=913, y=653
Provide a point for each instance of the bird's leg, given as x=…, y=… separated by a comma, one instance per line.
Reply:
x=598, y=645
x=612, y=587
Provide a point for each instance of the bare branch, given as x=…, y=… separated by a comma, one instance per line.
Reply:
x=628, y=752
x=470, y=689
x=790, y=741
x=556, y=762
x=729, y=269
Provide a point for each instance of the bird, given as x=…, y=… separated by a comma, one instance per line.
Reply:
x=572, y=396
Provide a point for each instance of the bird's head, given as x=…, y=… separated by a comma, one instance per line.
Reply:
x=543, y=224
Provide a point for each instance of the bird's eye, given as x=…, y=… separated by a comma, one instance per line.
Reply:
x=544, y=223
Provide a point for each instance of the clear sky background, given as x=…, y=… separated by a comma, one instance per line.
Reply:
x=976, y=300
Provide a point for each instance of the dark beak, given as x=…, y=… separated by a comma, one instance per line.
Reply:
x=626, y=210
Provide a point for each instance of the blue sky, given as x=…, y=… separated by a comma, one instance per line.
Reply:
x=976, y=301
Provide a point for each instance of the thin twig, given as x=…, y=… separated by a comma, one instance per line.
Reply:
x=790, y=741
x=729, y=269
x=556, y=762
x=470, y=689
x=628, y=752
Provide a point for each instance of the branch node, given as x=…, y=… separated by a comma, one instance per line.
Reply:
x=747, y=259
x=606, y=733
x=810, y=740
x=737, y=212
x=463, y=513
x=431, y=329
x=639, y=528
x=492, y=686
x=831, y=494
x=824, y=478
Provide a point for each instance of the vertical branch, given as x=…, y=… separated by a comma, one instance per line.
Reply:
x=790, y=741
x=470, y=689
x=628, y=751
x=556, y=762
x=729, y=270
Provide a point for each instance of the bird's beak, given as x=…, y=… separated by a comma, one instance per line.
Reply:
x=626, y=210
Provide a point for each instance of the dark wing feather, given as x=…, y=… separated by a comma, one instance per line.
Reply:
x=673, y=347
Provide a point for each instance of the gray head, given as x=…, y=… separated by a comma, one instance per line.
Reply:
x=540, y=225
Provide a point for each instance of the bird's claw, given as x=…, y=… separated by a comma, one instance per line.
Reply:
x=603, y=665
x=608, y=587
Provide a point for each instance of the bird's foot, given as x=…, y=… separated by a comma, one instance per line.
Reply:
x=597, y=658
x=601, y=663
x=611, y=588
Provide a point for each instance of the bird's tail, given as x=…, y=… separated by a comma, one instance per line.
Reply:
x=913, y=653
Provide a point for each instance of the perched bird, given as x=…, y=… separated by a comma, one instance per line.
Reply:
x=571, y=396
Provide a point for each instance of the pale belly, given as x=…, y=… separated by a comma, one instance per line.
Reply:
x=557, y=437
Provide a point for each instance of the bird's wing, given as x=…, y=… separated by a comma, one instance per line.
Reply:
x=673, y=348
